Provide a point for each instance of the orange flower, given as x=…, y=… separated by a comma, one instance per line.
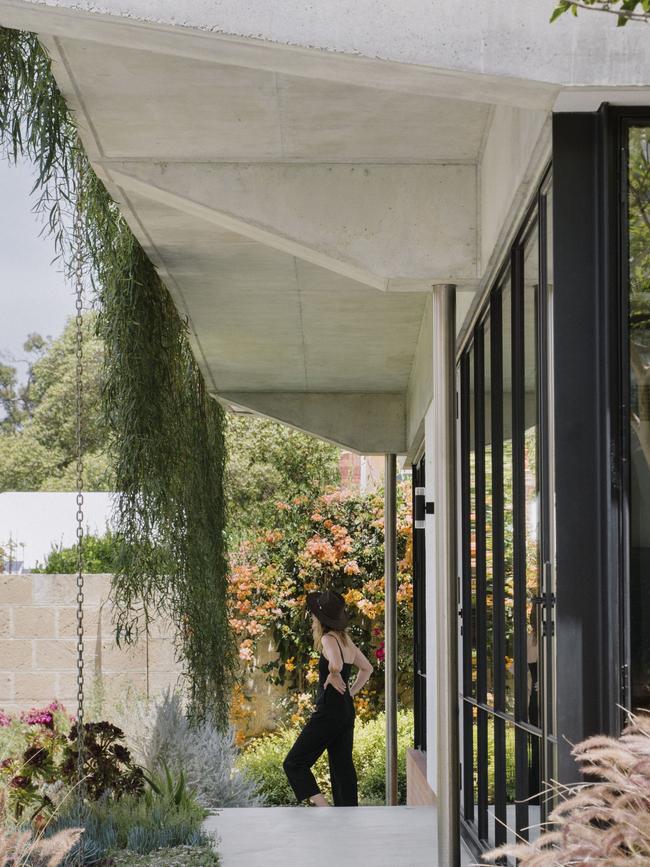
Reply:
x=273, y=536
x=352, y=568
x=246, y=650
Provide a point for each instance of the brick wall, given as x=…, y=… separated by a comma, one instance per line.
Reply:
x=38, y=646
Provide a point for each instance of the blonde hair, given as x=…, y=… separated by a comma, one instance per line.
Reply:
x=318, y=630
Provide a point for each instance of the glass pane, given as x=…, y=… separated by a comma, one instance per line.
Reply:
x=639, y=347
x=508, y=571
x=511, y=835
x=498, y=783
x=489, y=563
x=550, y=662
x=472, y=520
x=531, y=478
x=470, y=780
x=534, y=786
x=482, y=766
x=491, y=794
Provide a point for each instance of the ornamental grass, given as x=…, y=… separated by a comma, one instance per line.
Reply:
x=19, y=848
x=604, y=822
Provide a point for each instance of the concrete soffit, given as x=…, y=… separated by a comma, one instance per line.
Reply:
x=364, y=423
x=370, y=223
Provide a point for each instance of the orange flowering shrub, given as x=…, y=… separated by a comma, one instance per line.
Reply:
x=332, y=540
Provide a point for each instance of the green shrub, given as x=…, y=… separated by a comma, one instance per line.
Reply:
x=107, y=763
x=100, y=556
x=262, y=759
x=39, y=762
x=33, y=747
x=370, y=756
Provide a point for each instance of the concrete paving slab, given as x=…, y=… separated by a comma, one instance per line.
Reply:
x=335, y=837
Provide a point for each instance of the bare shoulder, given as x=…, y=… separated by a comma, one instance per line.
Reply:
x=360, y=659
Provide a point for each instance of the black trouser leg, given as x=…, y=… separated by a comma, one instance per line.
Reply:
x=309, y=746
x=342, y=772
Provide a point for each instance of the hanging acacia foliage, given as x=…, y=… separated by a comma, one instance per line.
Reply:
x=167, y=433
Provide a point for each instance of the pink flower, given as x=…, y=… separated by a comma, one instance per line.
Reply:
x=380, y=653
x=43, y=716
x=4, y=720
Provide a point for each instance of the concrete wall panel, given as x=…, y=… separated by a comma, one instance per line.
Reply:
x=496, y=38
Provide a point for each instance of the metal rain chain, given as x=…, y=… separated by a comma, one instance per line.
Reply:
x=78, y=285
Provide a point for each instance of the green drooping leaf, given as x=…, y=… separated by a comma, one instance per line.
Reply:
x=166, y=433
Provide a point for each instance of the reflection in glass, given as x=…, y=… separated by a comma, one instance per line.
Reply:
x=534, y=787
x=639, y=348
x=510, y=783
x=491, y=793
x=508, y=529
x=472, y=518
x=489, y=559
x=531, y=479
x=551, y=680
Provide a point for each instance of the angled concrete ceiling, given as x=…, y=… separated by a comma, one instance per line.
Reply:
x=299, y=206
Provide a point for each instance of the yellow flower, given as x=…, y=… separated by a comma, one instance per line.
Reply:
x=290, y=664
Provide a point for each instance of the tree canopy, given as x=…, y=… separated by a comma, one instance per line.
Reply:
x=267, y=461
x=37, y=431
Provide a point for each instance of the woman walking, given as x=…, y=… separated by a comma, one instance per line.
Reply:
x=331, y=725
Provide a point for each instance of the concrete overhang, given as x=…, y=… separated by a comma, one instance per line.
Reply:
x=299, y=203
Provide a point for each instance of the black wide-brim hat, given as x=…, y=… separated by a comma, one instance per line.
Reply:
x=329, y=607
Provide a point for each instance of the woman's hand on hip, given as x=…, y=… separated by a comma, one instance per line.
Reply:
x=334, y=679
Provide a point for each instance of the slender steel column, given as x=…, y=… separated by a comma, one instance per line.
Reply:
x=390, y=627
x=444, y=399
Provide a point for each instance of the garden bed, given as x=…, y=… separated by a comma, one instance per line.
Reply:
x=179, y=856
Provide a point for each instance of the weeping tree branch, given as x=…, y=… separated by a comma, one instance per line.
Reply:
x=167, y=434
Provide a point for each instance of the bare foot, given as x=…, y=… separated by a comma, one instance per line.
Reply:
x=319, y=801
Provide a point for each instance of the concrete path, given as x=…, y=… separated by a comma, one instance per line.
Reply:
x=335, y=837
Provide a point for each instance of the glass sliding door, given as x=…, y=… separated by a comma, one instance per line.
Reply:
x=638, y=348
x=506, y=605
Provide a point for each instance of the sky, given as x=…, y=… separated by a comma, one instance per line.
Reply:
x=33, y=293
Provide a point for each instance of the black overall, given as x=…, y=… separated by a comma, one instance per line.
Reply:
x=331, y=728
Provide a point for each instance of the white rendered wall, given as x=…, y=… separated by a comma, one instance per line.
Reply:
x=40, y=520
x=420, y=387
x=516, y=150
x=510, y=39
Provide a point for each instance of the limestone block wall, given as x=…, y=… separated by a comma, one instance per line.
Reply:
x=261, y=697
x=38, y=657
x=38, y=647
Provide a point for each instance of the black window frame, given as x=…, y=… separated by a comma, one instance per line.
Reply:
x=419, y=607
x=475, y=824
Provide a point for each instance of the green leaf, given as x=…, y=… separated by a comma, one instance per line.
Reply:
x=562, y=7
